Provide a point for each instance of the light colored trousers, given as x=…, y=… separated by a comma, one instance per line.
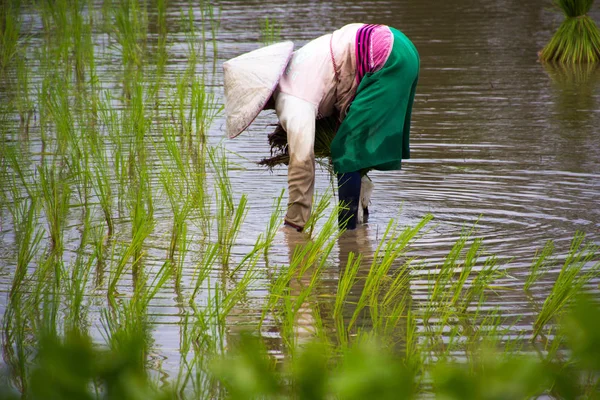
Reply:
x=297, y=117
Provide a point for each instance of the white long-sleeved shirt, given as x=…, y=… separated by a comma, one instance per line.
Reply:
x=310, y=74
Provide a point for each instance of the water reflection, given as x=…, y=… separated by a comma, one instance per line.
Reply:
x=575, y=106
x=306, y=314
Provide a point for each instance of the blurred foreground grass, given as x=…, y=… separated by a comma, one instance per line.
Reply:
x=72, y=367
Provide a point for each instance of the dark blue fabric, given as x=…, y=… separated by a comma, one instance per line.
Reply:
x=349, y=195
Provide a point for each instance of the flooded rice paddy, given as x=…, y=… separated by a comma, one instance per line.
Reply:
x=130, y=124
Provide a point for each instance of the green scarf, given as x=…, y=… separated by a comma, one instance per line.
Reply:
x=375, y=133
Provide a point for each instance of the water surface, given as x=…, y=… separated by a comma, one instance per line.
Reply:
x=498, y=140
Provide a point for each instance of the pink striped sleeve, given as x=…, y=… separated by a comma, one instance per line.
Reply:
x=382, y=41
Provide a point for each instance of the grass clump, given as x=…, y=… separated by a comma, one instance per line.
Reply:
x=577, y=39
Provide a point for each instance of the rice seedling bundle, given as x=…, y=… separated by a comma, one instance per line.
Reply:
x=325, y=130
x=577, y=39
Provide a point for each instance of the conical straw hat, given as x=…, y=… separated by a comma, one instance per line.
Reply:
x=249, y=81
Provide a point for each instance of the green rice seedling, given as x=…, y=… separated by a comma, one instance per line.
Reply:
x=493, y=328
x=130, y=255
x=160, y=51
x=7, y=109
x=15, y=352
x=201, y=345
x=274, y=224
x=15, y=319
x=579, y=268
x=223, y=297
x=294, y=288
x=220, y=164
x=204, y=268
x=181, y=106
x=389, y=300
x=577, y=39
x=90, y=57
x=60, y=113
x=127, y=328
x=413, y=354
x=368, y=370
x=138, y=124
x=80, y=169
x=240, y=279
x=24, y=104
x=202, y=207
x=101, y=179
x=107, y=12
x=58, y=35
x=204, y=108
x=467, y=294
x=76, y=287
x=270, y=31
x=182, y=243
x=45, y=303
x=184, y=371
x=47, y=136
x=192, y=160
x=346, y=282
x=540, y=266
x=195, y=107
x=393, y=245
x=10, y=26
x=229, y=224
x=5, y=181
x=20, y=180
x=28, y=241
x=98, y=253
x=192, y=39
x=181, y=205
x=176, y=174
x=55, y=193
x=318, y=212
x=142, y=225
x=78, y=32
x=443, y=289
x=452, y=315
x=394, y=305
x=385, y=376
x=196, y=350
x=215, y=22
x=113, y=121
x=161, y=10
x=229, y=217
x=129, y=28
x=140, y=200
x=321, y=244
x=131, y=316
x=14, y=346
x=76, y=278
x=208, y=21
